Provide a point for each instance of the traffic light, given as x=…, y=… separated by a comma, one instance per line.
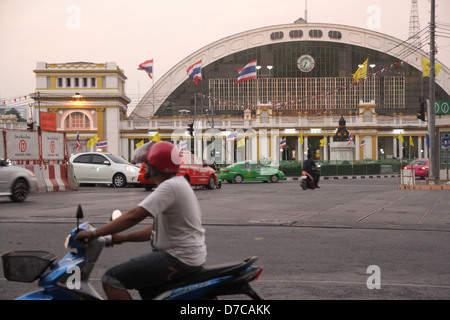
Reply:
x=191, y=129
x=421, y=112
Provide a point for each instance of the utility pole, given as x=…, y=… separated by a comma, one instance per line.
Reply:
x=434, y=142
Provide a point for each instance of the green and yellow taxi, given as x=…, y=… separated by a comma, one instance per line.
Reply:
x=250, y=171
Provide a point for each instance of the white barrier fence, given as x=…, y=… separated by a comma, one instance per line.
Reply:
x=44, y=153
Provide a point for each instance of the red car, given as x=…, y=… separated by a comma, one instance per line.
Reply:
x=192, y=169
x=421, y=167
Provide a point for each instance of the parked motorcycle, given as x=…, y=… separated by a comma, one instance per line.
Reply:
x=68, y=278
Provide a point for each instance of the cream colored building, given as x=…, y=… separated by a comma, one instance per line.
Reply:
x=88, y=98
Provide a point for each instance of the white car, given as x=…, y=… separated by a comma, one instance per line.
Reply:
x=16, y=182
x=99, y=167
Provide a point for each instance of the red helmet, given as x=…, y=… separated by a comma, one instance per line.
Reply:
x=164, y=157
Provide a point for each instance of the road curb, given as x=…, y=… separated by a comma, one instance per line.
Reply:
x=374, y=176
x=423, y=187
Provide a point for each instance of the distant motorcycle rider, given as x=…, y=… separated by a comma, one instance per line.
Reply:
x=310, y=166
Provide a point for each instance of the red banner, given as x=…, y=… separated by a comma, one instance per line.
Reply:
x=48, y=121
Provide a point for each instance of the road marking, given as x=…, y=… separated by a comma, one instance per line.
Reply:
x=379, y=209
x=431, y=209
x=353, y=283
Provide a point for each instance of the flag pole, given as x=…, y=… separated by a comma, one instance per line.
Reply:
x=153, y=88
x=434, y=155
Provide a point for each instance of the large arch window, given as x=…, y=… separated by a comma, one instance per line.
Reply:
x=77, y=120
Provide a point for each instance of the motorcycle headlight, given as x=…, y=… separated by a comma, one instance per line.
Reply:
x=66, y=242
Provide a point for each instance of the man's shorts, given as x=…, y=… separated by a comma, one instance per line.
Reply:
x=147, y=270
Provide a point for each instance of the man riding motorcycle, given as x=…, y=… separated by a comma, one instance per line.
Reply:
x=310, y=166
x=176, y=235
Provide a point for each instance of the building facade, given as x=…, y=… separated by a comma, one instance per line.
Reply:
x=87, y=98
x=304, y=85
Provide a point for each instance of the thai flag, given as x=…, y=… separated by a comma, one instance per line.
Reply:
x=102, y=144
x=232, y=136
x=248, y=72
x=195, y=71
x=183, y=145
x=363, y=144
x=283, y=142
x=147, y=66
x=78, y=141
x=350, y=139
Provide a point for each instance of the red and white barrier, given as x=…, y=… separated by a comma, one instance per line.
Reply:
x=36, y=169
x=50, y=178
x=55, y=178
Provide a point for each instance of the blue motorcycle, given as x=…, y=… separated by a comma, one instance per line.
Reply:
x=68, y=278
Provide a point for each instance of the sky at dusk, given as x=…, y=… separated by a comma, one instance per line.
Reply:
x=132, y=31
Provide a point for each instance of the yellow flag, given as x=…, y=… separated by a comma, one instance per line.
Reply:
x=361, y=72
x=91, y=142
x=411, y=143
x=140, y=144
x=156, y=137
x=301, y=138
x=322, y=142
x=426, y=68
x=400, y=137
x=241, y=143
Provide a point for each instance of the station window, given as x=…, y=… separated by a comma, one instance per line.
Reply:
x=315, y=33
x=296, y=33
x=335, y=34
x=277, y=35
x=77, y=120
x=77, y=82
x=93, y=82
x=60, y=82
x=85, y=82
x=68, y=82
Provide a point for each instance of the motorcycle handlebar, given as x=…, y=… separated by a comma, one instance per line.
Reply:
x=108, y=240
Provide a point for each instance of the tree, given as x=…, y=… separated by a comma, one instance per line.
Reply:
x=17, y=114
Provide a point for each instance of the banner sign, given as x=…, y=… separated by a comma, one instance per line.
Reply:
x=48, y=121
x=2, y=147
x=445, y=143
x=22, y=145
x=442, y=107
x=52, y=146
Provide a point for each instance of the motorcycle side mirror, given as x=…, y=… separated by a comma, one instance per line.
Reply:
x=79, y=216
x=116, y=213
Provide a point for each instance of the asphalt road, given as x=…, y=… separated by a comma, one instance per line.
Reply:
x=320, y=244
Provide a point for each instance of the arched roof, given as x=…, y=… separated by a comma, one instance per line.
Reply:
x=268, y=35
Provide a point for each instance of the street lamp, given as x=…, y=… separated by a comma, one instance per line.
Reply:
x=270, y=68
x=371, y=71
x=257, y=86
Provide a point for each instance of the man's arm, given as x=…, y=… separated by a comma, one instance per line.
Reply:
x=137, y=236
x=124, y=222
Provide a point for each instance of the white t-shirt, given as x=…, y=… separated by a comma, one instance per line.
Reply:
x=177, y=227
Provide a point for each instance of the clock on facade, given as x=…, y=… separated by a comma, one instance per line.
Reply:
x=306, y=63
